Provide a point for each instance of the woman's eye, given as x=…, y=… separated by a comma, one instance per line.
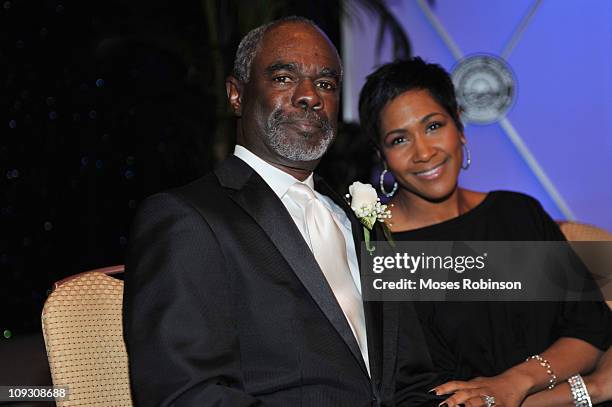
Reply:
x=398, y=140
x=433, y=126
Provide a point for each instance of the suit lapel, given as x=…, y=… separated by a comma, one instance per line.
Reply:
x=250, y=191
x=373, y=310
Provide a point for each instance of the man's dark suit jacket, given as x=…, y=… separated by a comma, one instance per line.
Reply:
x=225, y=305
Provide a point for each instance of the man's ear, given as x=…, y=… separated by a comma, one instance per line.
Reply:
x=234, y=89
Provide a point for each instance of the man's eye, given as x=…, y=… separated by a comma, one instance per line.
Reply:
x=282, y=79
x=326, y=85
x=433, y=126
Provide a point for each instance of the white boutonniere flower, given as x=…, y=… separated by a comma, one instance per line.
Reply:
x=367, y=207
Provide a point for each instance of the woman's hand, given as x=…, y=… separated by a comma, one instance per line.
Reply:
x=567, y=356
x=509, y=389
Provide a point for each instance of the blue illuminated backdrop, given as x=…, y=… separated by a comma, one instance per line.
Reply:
x=561, y=55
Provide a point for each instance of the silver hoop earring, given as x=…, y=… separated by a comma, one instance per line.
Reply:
x=468, y=157
x=382, y=184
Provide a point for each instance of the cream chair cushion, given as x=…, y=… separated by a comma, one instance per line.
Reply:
x=577, y=232
x=83, y=331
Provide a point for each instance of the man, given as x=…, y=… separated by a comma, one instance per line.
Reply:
x=243, y=288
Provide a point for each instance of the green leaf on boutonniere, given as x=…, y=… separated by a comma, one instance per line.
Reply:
x=368, y=221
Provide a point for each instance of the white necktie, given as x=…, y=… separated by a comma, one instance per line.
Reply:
x=329, y=249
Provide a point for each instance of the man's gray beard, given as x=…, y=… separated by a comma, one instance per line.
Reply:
x=297, y=149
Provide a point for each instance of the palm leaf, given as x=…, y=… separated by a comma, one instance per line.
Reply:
x=388, y=23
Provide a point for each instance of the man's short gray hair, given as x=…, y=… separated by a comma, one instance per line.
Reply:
x=250, y=44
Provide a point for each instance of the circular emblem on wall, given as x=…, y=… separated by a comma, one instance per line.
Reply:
x=485, y=88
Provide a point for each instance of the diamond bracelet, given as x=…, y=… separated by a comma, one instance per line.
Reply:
x=552, y=382
x=579, y=391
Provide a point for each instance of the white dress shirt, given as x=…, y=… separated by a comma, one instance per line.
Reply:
x=280, y=182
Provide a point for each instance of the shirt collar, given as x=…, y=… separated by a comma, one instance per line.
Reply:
x=277, y=179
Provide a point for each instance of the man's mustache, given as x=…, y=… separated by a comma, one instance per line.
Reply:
x=280, y=117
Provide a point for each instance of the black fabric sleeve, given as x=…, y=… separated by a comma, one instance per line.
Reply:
x=442, y=356
x=415, y=374
x=181, y=342
x=590, y=321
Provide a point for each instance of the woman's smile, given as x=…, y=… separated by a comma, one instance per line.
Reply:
x=432, y=173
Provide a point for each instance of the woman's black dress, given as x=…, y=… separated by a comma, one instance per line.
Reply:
x=471, y=339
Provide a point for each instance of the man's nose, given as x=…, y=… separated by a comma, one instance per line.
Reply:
x=423, y=150
x=306, y=96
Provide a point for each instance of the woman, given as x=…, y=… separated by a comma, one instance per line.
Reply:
x=497, y=352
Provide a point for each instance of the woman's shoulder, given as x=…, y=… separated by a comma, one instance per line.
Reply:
x=527, y=211
x=515, y=200
x=508, y=205
x=501, y=199
x=473, y=199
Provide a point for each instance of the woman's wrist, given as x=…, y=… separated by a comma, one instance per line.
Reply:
x=535, y=374
x=593, y=388
x=545, y=366
x=522, y=379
